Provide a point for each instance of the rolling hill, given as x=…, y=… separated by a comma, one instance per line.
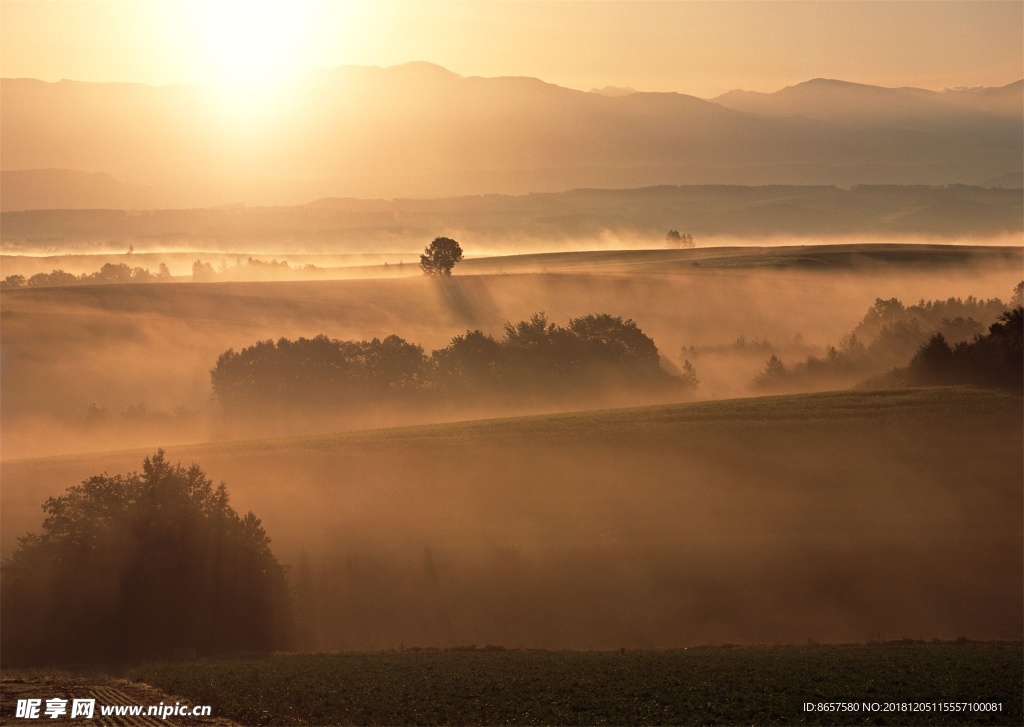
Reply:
x=834, y=516
x=582, y=218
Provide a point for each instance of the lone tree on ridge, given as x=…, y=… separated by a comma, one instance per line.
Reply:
x=440, y=257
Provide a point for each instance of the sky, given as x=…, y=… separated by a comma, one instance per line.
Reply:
x=700, y=48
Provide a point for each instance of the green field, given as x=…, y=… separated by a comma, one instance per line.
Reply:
x=718, y=685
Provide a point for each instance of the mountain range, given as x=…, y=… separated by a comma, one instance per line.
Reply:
x=419, y=130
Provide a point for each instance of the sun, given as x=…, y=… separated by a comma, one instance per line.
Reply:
x=253, y=43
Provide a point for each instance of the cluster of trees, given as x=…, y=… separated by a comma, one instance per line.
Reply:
x=994, y=359
x=946, y=338
x=251, y=269
x=142, y=566
x=319, y=371
x=533, y=358
x=676, y=239
x=109, y=273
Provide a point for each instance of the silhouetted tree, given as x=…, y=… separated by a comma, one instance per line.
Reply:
x=57, y=277
x=774, y=374
x=932, y=364
x=675, y=239
x=888, y=336
x=440, y=256
x=474, y=360
x=995, y=359
x=688, y=376
x=535, y=356
x=135, y=566
x=317, y=372
x=115, y=273
x=611, y=346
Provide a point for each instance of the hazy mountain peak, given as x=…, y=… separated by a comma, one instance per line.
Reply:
x=614, y=91
x=860, y=105
x=423, y=68
x=419, y=129
x=414, y=71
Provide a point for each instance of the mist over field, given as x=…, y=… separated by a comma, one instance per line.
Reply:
x=106, y=366
x=846, y=517
x=840, y=517
x=363, y=331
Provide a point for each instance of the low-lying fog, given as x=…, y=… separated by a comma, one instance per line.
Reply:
x=768, y=522
x=104, y=367
x=400, y=253
x=779, y=520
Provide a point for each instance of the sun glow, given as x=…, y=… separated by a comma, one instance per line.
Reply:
x=254, y=43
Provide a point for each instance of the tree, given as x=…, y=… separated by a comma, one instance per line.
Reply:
x=202, y=272
x=933, y=363
x=440, y=257
x=677, y=239
x=473, y=361
x=138, y=565
x=610, y=341
x=317, y=372
x=995, y=359
x=688, y=376
x=774, y=374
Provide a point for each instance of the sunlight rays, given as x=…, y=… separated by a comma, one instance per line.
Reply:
x=247, y=44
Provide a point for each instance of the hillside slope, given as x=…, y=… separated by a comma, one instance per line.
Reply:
x=835, y=516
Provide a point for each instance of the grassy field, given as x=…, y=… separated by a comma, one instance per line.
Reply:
x=878, y=684
x=838, y=517
x=850, y=257
x=864, y=258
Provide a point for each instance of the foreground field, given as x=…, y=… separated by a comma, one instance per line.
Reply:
x=840, y=517
x=890, y=684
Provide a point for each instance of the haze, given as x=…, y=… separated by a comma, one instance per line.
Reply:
x=699, y=48
x=773, y=211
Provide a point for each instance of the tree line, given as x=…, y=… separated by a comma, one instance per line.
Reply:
x=956, y=340
x=251, y=269
x=994, y=359
x=109, y=273
x=534, y=358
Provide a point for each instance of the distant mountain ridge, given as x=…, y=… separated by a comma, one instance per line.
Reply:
x=419, y=130
x=861, y=106
x=595, y=217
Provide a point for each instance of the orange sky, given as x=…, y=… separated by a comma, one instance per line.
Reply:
x=702, y=48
